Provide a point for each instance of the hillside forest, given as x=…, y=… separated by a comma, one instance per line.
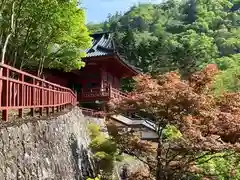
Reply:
x=189, y=53
x=180, y=35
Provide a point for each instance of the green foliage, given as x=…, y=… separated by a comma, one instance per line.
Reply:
x=94, y=130
x=192, y=50
x=171, y=133
x=127, y=84
x=94, y=28
x=96, y=178
x=229, y=79
x=45, y=33
x=104, y=149
x=178, y=35
x=221, y=165
x=101, y=143
x=93, y=179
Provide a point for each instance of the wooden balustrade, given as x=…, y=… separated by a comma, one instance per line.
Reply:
x=101, y=93
x=20, y=90
x=118, y=94
x=95, y=92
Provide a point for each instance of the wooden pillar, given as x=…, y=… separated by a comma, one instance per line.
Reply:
x=5, y=93
x=102, y=77
x=109, y=90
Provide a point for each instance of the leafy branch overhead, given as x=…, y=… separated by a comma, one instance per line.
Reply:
x=46, y=33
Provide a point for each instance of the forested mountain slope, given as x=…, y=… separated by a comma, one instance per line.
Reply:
x=180, y=35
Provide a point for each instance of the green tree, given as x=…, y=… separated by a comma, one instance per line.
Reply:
x=229, y=78
x=44, y=33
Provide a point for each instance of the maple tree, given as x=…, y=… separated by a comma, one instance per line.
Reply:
x=209, y=125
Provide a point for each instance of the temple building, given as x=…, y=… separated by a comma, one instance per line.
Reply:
x=99, y=80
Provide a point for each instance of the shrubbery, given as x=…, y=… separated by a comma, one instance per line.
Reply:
x=104, y=149
x=171, y=133
x=96, y=178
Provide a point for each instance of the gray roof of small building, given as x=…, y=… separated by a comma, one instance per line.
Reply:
x=132, y=122
x=102, y=45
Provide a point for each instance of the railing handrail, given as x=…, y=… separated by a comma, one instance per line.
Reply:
x=119, y=92
x=35, y=77
x=90, y=89
x=108, y=91
x=18, y=93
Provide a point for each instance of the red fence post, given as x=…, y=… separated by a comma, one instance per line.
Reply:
x=18, y=94
x=64, y=99
x=48, y=99
x=5, y=94
x=58, y=98
x=61, y=96
x=33, y=97
x=21, y=96
x=41, y=99
x=53, y=99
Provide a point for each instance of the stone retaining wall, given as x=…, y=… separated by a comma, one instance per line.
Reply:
x=54, y=149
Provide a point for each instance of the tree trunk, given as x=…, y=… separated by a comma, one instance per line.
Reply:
x=6, y=44
x=160, y=174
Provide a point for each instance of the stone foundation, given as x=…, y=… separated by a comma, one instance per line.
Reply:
x=55, y=149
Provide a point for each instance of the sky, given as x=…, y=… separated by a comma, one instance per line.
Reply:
x=98, y=10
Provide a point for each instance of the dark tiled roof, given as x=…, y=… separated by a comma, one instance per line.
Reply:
x=103, y=45
x=236, y=7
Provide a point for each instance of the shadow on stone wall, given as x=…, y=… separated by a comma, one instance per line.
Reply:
x=82, y=164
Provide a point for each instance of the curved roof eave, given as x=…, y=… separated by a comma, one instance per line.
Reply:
x=128, y=65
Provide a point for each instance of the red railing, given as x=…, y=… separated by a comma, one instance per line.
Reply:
x=118, y=94
x=20, y=90
x=95, y=93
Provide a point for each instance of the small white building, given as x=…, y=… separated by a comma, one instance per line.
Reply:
x=144, y=128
